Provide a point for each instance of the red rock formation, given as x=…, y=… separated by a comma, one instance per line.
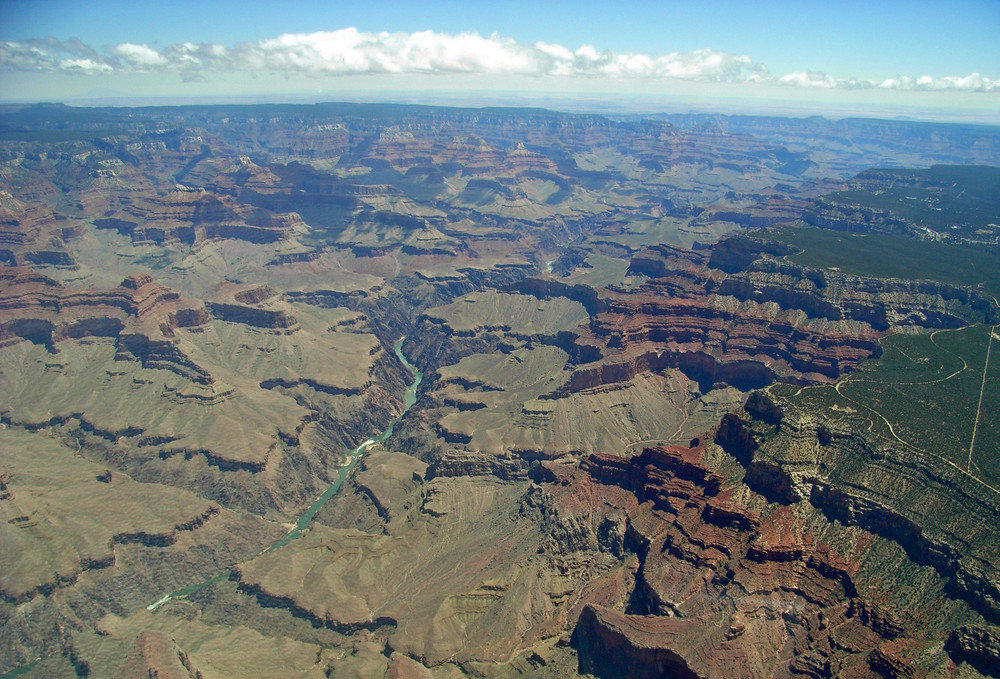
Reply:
x=715, y=327
x=721, y=590
x=254, y=295
x=193, y=216
x=39, y=309
x=261, y=318
x=733, y=331
x=519, y=160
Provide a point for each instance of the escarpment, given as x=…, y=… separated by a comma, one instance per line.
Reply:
x=756, y=319
x=41, y=310
x=262, y=318
x=196, y=395
x=191, y=217
x=736, y=331
x=731, y=584
x=876, y=492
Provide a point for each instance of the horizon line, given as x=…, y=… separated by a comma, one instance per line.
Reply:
x=607, y=105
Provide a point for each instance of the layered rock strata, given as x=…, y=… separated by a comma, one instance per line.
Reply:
x=731, y=585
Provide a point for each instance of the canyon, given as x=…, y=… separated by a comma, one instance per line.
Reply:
x=656, y=435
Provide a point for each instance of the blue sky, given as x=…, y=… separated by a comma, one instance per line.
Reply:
x=914, y=55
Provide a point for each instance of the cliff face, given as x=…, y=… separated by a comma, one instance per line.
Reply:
x=190, y=217
x=38, y=309
x=102, y=363
x=744, y=318
x=943, y=203
x=883, y=304
x=730, y=584
x=732, y=331
x=261, y=318
x=711, y=564
x=943, y=530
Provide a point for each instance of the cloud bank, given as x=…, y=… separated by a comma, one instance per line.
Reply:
x=352, y=52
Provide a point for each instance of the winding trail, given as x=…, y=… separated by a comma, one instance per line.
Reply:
x=910, y=445
x=892, y=431
x=303, y=522
x=656, y=441
x=965, y=366
x=967, y=471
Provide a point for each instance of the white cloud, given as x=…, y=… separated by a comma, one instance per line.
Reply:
x=973, y=82
x=45, y=54
x=808, y=79
x=557, y=52
x=86, y=66
x=139, y=56
x=700, y=65
x=352, y=52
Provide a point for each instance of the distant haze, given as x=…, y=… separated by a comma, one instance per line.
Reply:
x=915, y=59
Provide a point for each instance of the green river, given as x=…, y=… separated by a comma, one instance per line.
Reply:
x=310, y=513
x=307, y=517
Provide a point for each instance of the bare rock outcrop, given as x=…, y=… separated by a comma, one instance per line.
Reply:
x=40, y=310
x=731, y=585
x=155, y=654
x=248, y=315
x=977, y=645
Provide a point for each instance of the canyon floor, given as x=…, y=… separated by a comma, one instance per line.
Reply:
x=695, y=396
